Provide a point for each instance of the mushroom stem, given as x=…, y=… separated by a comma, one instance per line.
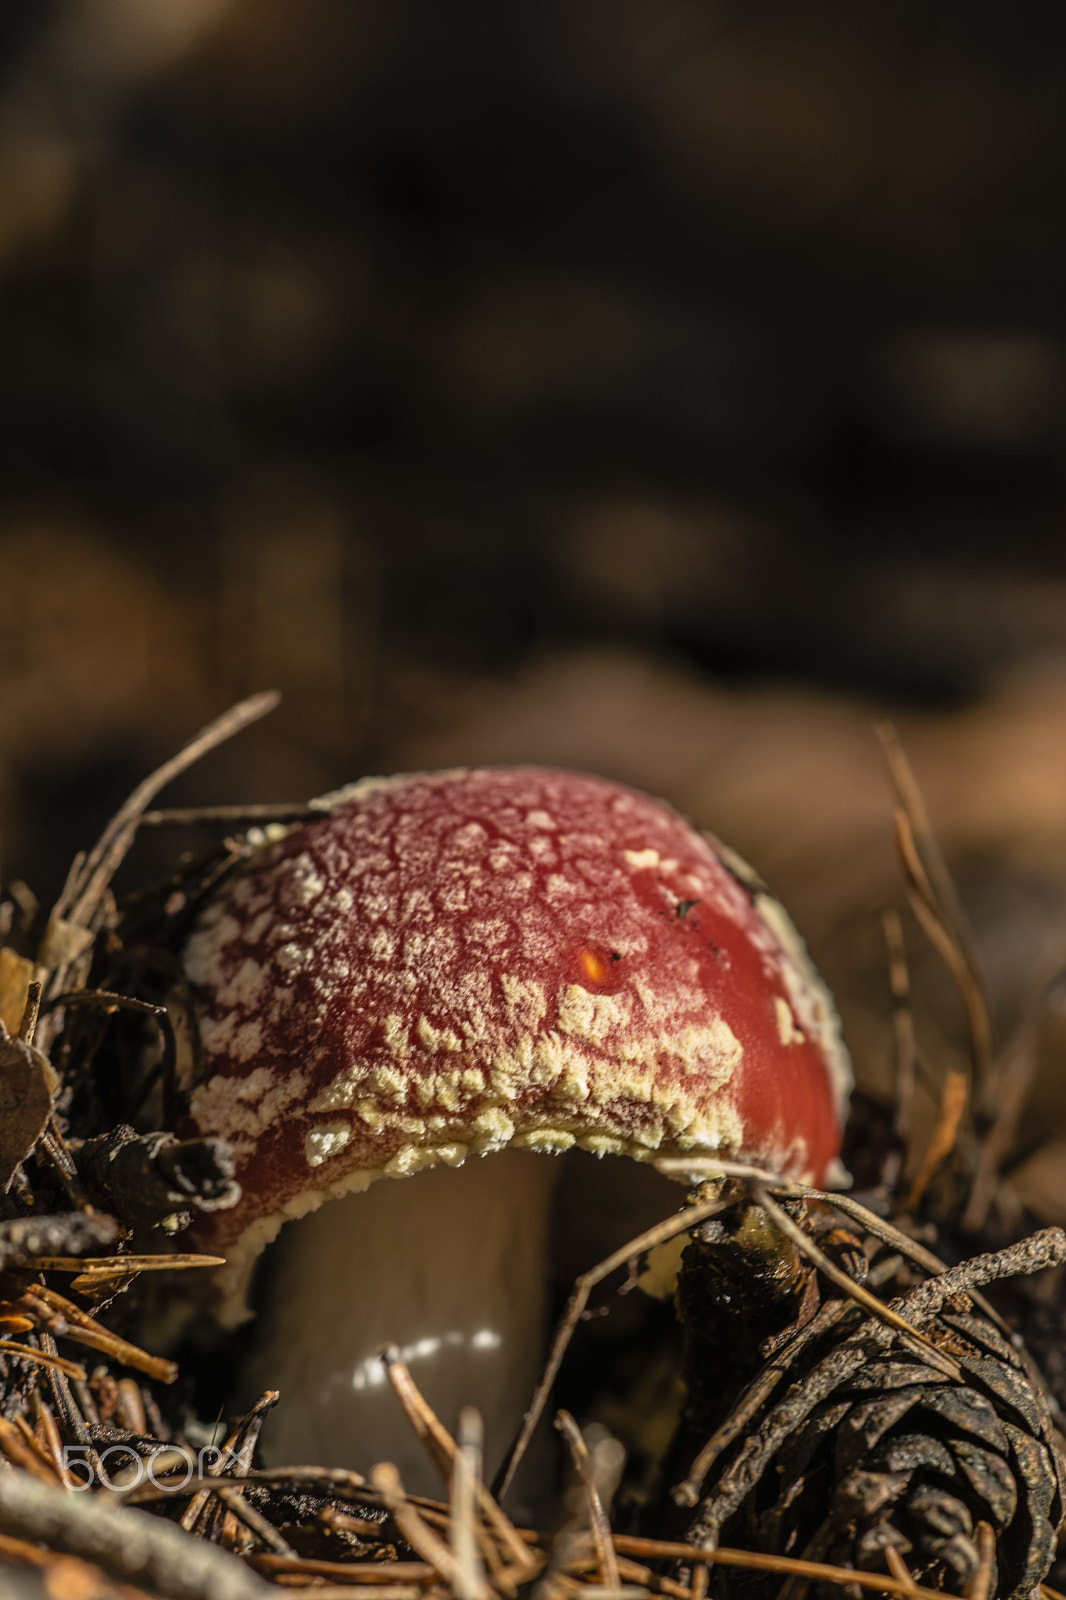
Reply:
x=451, y=1266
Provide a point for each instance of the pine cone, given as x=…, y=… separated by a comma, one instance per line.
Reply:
x=880, y=1441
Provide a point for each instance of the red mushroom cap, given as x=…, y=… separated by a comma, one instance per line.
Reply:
x=452, y=962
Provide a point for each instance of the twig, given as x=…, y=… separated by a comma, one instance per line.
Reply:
x=53, y=1444
x=1035, y=1254
x=442, y=1450
x=73, y=1420
x=715, y=1166
x=687, y=1492
x=33, y=1443
x=428, y=1428
x=598, y=1524
x=232, y=1465
x=583, y=1287
x=338, y=1480
x=193, y=816
x=53, y=1146
x=131, y=1546
x=855, y=1291
x=874, y=1224
x=105, y=999
x=23, y=1553
x=466, y=1477
x=15, y=1448
x=234, y=1501
x=25, y=1352
x=657, y=1582
x=83, y=1329
x=418, y=1534
x=369, y=1572
x=661, y=1549
x=358, y=1591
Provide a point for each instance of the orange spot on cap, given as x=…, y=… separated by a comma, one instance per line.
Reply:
x=598, y=968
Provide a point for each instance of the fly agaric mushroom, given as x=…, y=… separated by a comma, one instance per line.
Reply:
x=450, y=965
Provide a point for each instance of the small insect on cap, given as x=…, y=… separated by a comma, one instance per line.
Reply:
x=449, y=963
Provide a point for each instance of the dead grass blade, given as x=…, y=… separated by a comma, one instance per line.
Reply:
x=953, y=1097
x=945, y=941
x=81, y=906
x=103, y=859
x=934, y=867
x=902, y=1018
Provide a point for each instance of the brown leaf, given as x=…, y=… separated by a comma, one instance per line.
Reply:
x=27, y=1084
x=15, y=974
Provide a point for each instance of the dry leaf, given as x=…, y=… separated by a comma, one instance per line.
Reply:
x=15, y=975
x=27, y=1084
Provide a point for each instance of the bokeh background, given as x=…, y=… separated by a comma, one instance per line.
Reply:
x=660, y=389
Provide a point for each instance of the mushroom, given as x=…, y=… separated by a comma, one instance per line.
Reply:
x=502, y=963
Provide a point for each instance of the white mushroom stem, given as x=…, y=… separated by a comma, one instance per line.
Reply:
x=451, y=1266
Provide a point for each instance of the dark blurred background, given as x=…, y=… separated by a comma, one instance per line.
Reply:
x=662, y=389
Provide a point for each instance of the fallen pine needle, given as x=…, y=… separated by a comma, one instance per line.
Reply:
x=660, y=1549
x=108, y=1265
x=417, y=1532
x=25, y=1352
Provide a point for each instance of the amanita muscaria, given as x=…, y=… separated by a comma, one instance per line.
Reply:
x=451, y=965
